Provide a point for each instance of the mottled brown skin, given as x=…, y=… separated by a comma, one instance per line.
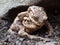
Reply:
x=29, y=21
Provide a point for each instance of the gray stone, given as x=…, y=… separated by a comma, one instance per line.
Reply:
x=5, y=5
x=47, y=43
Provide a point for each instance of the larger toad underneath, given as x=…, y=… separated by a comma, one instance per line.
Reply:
x=29, y=21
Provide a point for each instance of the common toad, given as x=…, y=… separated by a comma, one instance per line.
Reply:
x=29, y=21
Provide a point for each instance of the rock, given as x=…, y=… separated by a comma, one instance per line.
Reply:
x=5, y=5
x=18, y=43
x=47, y=43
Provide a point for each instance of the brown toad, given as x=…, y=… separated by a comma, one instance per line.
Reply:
x=29, y=21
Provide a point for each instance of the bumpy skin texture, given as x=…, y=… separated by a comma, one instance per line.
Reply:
x=29, y=21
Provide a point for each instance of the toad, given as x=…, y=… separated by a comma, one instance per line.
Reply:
x=29, y=21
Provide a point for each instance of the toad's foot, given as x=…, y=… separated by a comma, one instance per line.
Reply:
x=24, y=34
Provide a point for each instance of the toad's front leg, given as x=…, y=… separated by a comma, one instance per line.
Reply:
x=22, y=33
x=50, y=28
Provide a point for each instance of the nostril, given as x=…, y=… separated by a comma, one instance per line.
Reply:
x=45, y=17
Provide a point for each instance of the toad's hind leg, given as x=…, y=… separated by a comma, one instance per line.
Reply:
x=26, y=35
x=50, y=28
